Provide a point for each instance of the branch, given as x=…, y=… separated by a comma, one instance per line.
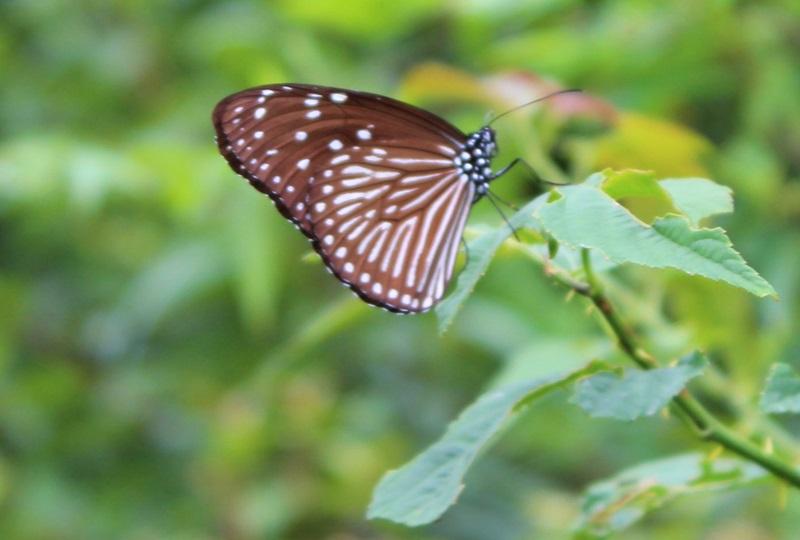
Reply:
x=700, y=419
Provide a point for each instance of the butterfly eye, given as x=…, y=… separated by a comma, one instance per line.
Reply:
x=381, y=188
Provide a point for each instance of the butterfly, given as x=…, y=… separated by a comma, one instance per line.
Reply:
x=380, y=187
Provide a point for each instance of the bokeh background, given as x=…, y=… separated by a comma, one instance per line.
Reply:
x=174, y=365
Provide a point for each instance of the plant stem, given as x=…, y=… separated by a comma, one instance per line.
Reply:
x=702, y=421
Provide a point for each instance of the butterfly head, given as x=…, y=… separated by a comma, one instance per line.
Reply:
x=474, y=162
x=486, y=141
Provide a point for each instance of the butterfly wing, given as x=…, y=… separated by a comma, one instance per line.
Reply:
x=369, y=179
x=390, y=228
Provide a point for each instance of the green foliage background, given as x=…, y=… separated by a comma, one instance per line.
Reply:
x=171, y=366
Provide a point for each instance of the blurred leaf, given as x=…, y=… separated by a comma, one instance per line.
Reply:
x=254, y=236
x=617, y=503
x=639, y=192
x=641, y=142
x=638, y=392
x=182, y=273
x=782, y=390
x=439, y=82
x=517, y=87
x=361, y=19
x=699, y=198
x=480, y=251
x=281, y=361
x=420, y=491
x=585, y=216
x=542, y=356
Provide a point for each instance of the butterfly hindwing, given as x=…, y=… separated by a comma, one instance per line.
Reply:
x=390, y=232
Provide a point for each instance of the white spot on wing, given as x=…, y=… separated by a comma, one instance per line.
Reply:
x=335, y=144
x=260, y=112
x=357, y=231
x=354, y=195
x=338, y=97
x=412, y=161
x=357, y=169
x=300, y=136
x=303, y=164
x=348, y=209
x=311, y=115
x=364, y=134
x=356, y=182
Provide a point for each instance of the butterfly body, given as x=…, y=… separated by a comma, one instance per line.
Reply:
x=381, y=188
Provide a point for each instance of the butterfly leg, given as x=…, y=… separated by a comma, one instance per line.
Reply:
x=508, y=167
x=528, y=167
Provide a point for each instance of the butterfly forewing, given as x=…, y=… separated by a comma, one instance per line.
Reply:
x=369, y=179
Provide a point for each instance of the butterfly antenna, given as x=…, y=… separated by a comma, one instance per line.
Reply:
x=491, y=198
x=548, y=96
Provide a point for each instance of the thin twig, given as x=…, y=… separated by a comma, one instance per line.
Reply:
x=700, y=419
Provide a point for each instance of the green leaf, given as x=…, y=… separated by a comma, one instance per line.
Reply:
x=782, y=391
x=637, y=393
x=639, y=192
x=699, y=198
x=481, y=250
x=615, y=504
x=420, y=491
x=585, y=216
